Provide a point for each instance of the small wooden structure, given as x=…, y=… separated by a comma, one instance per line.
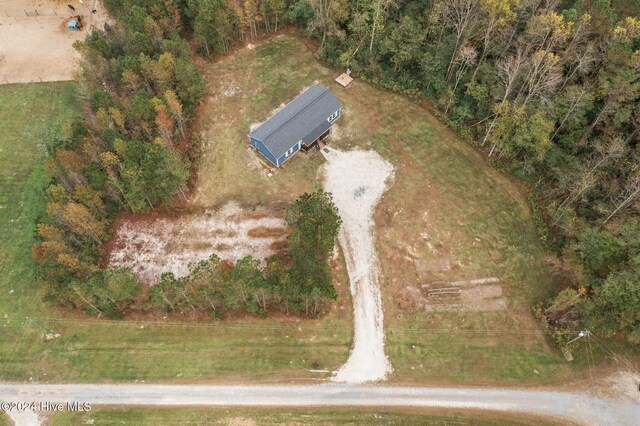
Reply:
x=344, y=80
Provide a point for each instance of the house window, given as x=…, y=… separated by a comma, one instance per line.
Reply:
x=333, y=116
x=288, y=153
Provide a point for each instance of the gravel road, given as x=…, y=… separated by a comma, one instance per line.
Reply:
x=576, y=407
x=357, y=180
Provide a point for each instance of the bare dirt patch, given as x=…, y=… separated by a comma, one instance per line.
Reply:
x=266, y=232
x=35, y=44
x=623, y=384
x=478, y=295
x=152, y=245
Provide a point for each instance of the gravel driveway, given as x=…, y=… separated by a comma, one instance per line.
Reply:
x=357, y=180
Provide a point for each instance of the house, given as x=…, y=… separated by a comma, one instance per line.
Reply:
x=298, y=125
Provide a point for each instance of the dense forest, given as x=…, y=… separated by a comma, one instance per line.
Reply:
x=548, y=89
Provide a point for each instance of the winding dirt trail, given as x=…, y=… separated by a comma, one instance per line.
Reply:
x=357, y=180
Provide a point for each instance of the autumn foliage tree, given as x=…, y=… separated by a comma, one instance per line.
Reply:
x=121, y=155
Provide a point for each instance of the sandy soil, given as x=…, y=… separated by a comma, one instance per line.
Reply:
x=152, y=246
x=35, y=44
x=622, y=385
x=357, y=180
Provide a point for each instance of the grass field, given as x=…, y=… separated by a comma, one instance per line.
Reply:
x=28, y=115
x=4, y=420
x=474, y=216
x=249, y=417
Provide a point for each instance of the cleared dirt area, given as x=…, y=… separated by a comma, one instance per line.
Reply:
x=35, y=43
x=466, y=295
x=357, y=180
x=154, y=245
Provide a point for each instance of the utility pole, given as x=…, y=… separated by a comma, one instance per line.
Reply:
x=583, y=333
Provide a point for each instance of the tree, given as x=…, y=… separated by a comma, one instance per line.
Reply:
x=327, y=15
x=570, y=108
x=404, y=43
x=175, y=108
x=380, y=10
x=461, y=16
x=248, y=281
x=316, y=222
x=522, y=135
x=111, y=291
x=205, y=284
x=164, y=122
x=496, y=15
x=81, y=222
x=466, y=58
x=151, y=175
x=615, y=305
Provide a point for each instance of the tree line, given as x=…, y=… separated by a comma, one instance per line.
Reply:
x=128, y=151
x=550, y=89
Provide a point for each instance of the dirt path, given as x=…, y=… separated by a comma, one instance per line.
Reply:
x=574, y=407
x=357, y=180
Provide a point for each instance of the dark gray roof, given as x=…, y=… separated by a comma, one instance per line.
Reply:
x=300, y=119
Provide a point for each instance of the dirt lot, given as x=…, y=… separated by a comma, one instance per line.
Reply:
x=152, y=245
x=35, y=44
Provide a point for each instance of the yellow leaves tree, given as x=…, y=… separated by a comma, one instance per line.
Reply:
x=497, y=14
x=160, y=73
x=66, y=166
x=89, y=197
x=628, y=29
x=175, y=108
x=164, y=122
x=82, y=222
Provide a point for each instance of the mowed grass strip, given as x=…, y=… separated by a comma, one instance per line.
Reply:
x=29, y=114
x=261, y=416
x=128, y=351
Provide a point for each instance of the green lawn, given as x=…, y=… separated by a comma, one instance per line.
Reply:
x=29, y=113
x=201, y=416
x=4, y=420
